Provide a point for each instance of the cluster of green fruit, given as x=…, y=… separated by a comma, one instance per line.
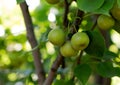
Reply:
x=105, y=22
x=68, y=48
x=80, y=40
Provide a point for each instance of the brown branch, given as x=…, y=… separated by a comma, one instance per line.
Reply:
x=33, y=42
x=65, y=21
x=53, y=70
x=65, y=24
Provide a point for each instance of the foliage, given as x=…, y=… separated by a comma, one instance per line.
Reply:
x=16, y=60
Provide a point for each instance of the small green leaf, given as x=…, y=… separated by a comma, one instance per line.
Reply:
x=20, y=1
x=70, y=82
x=106, y=69
x=83, y=72
x=97, y=44
x=108, y=55
x=104, y=9
x=89, y=5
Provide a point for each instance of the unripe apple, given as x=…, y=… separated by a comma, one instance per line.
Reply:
x=56, y=37
x=115, y=11
x=80, y=41
x=67, y=51
x=105, y=22
x=52, y=1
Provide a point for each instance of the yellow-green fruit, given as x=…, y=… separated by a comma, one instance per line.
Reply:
x=80, y=41
x=52, y=1
x=105, y=22
x=67, y=51
x=56, y=37
x=115, y=11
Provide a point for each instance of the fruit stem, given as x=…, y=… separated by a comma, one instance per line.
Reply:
x=53, y=70
x=78, y=20
x=79, y=57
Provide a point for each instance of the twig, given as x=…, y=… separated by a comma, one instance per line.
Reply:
x=65, y=21
x=53, y=70
x=77, y=22
x=33, y=43
x=78, y=19
x=79, y=57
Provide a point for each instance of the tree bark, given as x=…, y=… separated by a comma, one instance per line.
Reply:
x=33, y=42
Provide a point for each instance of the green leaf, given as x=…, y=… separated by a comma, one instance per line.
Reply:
x=118, y=2
x=63, y=82
x=2, y=43
x=40, y=13
x=43, y=38
x=97, y=44
x=70, y=82
x=104, y=9
x=106, y=69
x=83, y=72
x=59, y=82
x=89, y=5
x=20, y=1
x=108, y=55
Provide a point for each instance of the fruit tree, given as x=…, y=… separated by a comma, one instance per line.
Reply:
x=73, y=42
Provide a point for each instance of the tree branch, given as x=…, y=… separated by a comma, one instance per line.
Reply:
x=33, y=42
x=53, y=70
x=65, y=21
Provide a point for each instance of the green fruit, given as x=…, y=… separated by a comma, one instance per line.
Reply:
x=80, y=41
x=67, y=51
x=105, y=22
x=115, y=11
x=52, y=1
x=56, y=37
